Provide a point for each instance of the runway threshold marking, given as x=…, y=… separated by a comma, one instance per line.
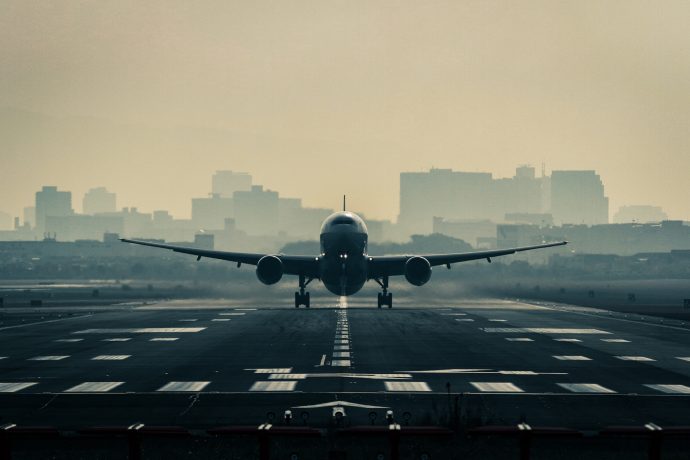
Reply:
x=285, y=385
x=585, y=388
x=49, y=358
x=543, y=330
x=406, y=386
x=497, y=387
x=183, y=386
x=142, y=330
x=272, y=370
x=94, y=387
x=13, y=387
x=670, y=388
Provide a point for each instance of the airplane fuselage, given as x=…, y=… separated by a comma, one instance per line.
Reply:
x=343, y=260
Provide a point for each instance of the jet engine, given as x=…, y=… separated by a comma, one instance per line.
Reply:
x=417, y=270
x=269, y=270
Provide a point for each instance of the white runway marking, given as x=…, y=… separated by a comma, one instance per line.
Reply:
x=110, y=357
x=498, y=320
x=635, y=358
x=13, y=387
x=287, y=385
x=572, y=358
x=231, y=314
x=684, y=358
x=3, y=357
x=245, y=309
x=220, y=319
x=453, y=314
x=323, y=360
x=519, y=339
x=341, y=354
x=517, y=373
x=118, y=339
x=94, y=387
x=68, y=340
x=407, y=386
x=615, y=340
x=188, y=320
x=274, y=370
x=341, y=347
x=568, y=340
x=465, y=320
x=585, y=388
x=497, y=387
x=163, y=339
x=184, y=386
x=48, y=358
x=287, y=376
x=341, y=342
x=543, y=330
x=143, y=330
x=340, y=363
x=669, y=388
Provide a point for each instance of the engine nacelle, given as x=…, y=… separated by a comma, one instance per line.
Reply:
x=269, y=270
x=417, y=270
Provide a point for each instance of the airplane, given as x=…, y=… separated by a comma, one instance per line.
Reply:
x=343, y=265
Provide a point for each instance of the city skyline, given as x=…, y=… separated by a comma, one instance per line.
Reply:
x=320, y=100
x=185, y=211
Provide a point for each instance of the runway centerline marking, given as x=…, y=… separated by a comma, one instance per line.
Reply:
x=13, y=387
x=94, y=387
x=183, y=386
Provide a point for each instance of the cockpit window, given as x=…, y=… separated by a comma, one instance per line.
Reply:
x=343, y=220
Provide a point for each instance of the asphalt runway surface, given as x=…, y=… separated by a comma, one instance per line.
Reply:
x=200, y=363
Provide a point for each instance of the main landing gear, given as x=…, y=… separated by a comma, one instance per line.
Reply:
x=385, y=297
x=302, y=297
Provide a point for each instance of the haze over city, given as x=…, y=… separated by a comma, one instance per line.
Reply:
x=317, y=100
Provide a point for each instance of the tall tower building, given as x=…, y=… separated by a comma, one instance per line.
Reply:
x=51, y=202
x=99, y=200
x=577, y=197
x=225, y=183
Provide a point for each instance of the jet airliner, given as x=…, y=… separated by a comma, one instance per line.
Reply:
x=343, y=264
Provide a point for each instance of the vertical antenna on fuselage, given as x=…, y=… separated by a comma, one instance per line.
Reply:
x=344, y=203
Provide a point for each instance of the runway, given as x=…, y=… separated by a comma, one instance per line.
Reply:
x=201, y=362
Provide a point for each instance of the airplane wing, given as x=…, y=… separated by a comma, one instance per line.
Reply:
x=292, y=265
x=395, y=265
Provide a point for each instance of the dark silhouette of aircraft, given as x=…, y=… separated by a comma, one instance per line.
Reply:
x=343, y=265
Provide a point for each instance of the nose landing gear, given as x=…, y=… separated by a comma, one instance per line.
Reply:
x=302, y=297
x=385, y=297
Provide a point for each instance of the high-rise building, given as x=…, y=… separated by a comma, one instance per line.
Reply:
x=51, y=202
x=210, y=213
x=640, y=214
x=257, y=211
x=99, y=200
x=577, y=197
x=225, y=183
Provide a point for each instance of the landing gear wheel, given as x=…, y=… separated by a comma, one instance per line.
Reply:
x=297, y=299
x=389, y=300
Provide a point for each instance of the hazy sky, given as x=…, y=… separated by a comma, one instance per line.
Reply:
x=320, y=98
